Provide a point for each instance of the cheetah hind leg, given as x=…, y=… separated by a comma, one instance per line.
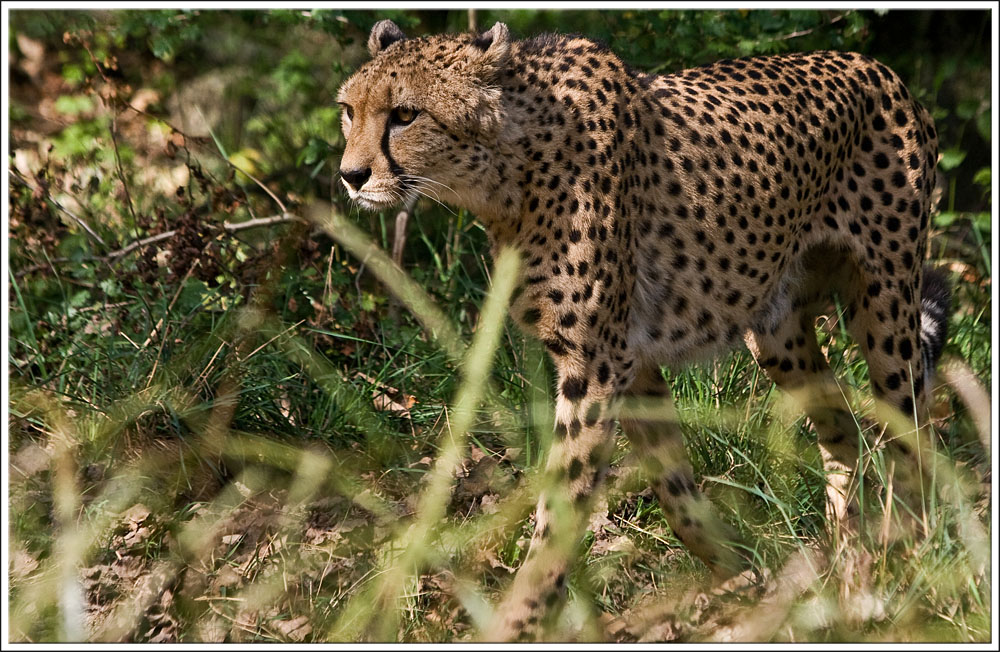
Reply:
x=649, y=421
x=790, y=356
x=901, y=362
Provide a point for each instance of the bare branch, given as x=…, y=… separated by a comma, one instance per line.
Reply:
x=399, y=238
x=227, y=227
x=260, y=183
x=71, y=214
x=804, y=32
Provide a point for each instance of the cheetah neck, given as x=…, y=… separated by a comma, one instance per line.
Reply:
x=495, y=196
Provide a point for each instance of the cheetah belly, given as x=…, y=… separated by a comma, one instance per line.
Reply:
x=673, y=321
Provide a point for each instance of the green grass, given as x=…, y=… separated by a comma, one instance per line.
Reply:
x=249, y=417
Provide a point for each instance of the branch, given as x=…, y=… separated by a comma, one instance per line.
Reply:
x=803, y=32
x=399, y=237
x=71, y=214
x=227, y=227
x=398, y=245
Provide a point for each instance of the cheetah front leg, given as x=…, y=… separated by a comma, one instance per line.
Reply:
x=576, y=466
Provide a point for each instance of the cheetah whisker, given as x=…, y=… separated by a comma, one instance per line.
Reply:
x=417, y=177
x=424, y=191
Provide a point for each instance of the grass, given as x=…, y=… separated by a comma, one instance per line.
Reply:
x=339, y=518
x=241, y=436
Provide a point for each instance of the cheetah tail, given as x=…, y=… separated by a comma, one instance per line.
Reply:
x=935, y=304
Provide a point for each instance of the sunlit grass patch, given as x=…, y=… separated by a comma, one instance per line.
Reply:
x=218, y=534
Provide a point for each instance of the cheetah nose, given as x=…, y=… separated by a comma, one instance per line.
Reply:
x=356, y=178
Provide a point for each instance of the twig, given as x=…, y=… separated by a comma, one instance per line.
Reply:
x=153, y=333
x=398, y=245
x=399, y=237
x=76, y=218
x=804, y=32
x=227, y=227
x=260, y=183
x=113, y=129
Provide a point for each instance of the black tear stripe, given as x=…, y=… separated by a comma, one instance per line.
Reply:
x=394, y=167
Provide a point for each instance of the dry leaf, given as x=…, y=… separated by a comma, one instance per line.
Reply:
x=135, y=515
x=490, y=504
x=388, y=399
x=599, y=517
x=295, y=629
x=212, y=630
x=604, y=545
x=227, y=576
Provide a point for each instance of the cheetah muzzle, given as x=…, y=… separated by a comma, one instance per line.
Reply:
x=663, y=219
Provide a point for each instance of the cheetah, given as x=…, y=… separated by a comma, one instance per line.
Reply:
x=663, y=219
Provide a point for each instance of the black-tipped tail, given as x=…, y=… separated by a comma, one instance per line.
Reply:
x=935, y=305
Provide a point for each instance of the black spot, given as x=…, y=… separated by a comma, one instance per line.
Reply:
x=556, y=347
x=906, y=405
x=574, y=388
x=905, y=349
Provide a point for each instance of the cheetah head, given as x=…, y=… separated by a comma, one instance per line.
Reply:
x=415, y=113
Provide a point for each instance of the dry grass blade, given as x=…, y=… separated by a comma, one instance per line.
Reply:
x=963, y=380
x=380, y=598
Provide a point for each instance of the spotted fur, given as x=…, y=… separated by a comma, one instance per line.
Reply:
x=663, y=219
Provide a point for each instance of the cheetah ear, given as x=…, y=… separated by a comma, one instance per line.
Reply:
x=384, y=34
x=489, y=50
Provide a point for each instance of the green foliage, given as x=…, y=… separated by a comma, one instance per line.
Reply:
x=665, y=40
x=163, y=31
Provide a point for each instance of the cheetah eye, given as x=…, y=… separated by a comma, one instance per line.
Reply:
x=403, y=115
x=348, y=109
